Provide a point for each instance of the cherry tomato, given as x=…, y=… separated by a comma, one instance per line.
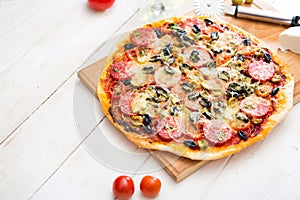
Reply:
x=100, y=4
x=123, y=187
x=150, y=186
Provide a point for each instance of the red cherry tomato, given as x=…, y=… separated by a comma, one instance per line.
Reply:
x=150, y=186
x=100, y=4
x=123, y=187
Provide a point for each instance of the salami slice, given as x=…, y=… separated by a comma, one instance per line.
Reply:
x=261, y=71
x=217, y=132
x=118, y=70
x=169, y=128
x=255, y=106
x=143, y=37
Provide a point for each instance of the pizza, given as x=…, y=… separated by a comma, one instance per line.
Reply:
x=195, y=86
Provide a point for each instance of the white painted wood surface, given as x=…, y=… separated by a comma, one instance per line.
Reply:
x=49, y=121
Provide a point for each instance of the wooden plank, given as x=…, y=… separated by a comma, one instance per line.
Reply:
x=37, y=57
x=39, y=147
x=89, y=76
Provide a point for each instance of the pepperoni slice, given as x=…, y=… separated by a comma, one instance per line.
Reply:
x=143, y=37
x=125, y=101
x=261, y=71
x=217, y=132
x=118, y=70
x=169, y=128
x=255, y=106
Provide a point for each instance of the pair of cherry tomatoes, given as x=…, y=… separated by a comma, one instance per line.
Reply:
x=100, y=4
x=123, y=187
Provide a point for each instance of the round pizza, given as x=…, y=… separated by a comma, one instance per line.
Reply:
x=195, y=86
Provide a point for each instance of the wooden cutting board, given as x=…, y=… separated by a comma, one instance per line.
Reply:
x=178, y=167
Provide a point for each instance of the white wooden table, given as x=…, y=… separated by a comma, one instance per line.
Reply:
x=47, y=137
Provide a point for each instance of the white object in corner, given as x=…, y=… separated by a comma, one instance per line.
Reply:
x=289, y=39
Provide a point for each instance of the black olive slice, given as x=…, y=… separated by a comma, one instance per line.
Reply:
x=235, y=86
x=242, y=135
x=180, y=32
x=184, y=67
x=174, y=110
x=196, y=29
x=218, y=51
x=190, y=143
x=267, y=58
x=205, y=102
x=126, y=82
x=147, y=120
x=159, y=33
x=274, y=91
x=148, y=70
x=169, y=70
x=208, y=115
x=166, y=51
x=195, y=56
x=214, y=35
x=208, y=22
x=246, y=41
x=186, y=86
x=128, y=46
x=193, y=96
x=155, y=58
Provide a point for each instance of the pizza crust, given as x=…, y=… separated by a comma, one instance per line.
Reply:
x=283, y=105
